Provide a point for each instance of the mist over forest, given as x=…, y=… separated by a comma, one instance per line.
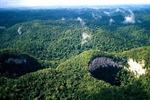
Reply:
x=77, y=53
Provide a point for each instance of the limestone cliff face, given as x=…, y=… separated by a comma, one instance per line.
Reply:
x=16, y=60
x=106, y=69
x=104, y=62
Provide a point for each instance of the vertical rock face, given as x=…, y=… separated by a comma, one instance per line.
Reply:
x=105, y=68
x=16, y=60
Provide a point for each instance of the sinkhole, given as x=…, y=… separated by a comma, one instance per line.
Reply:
x=106, y=69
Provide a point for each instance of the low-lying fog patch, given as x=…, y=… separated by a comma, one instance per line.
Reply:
x=85, y=38
x=19, y=30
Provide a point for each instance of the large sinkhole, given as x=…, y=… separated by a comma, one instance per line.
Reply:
x=106, y=69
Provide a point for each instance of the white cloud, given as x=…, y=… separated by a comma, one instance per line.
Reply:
x=111, y=21
x=2, y=27
x=96, y=8
x=139, y=21
x=96, y=16
x=107, y=13
x=62, y=18
x=85, y=37
x=81, y=21
x=19, y=30
x=119, y=10
x=129, y=19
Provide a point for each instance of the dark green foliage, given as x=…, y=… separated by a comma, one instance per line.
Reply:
x=55, y=45
x=138, y=54
x=56, y=41
x=72, y=80
x=125, y=77
x=45, y=40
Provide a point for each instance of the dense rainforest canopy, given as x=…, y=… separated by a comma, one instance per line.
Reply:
x=71, y=53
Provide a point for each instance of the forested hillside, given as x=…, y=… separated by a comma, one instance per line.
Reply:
x=52, y=41
x=94, y=53
x=72, y=80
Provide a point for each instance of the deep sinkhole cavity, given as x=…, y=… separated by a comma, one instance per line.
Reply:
x=106, y=69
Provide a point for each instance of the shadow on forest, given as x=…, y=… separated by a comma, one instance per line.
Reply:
x=14, y=66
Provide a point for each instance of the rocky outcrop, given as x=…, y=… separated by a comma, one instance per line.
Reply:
x=16, y=60
x=104, y=62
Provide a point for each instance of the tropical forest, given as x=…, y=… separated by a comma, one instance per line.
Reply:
x=75, y=53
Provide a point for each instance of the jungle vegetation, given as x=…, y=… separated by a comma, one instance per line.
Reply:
x=46, y=53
